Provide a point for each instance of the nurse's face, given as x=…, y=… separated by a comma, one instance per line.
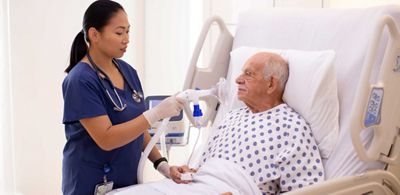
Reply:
x=114, y=37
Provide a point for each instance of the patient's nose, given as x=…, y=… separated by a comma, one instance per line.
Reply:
x=239, y=79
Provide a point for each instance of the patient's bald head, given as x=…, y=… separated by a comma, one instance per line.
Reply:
x=263, y=81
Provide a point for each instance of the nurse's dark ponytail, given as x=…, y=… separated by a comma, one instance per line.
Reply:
x=78, y=50
x=97, y=15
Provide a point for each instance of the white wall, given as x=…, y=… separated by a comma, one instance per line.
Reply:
x=169, y=39
x=41, y=36
x=359, y=3
x=39, y=53
x=6, y=134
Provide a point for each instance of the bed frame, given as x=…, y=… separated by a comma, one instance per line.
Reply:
x=375, y=105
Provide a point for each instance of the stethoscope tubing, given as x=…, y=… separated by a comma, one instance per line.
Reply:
x=136, y=96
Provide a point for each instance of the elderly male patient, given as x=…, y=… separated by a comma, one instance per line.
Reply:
x=267, y=138
x=266, y=141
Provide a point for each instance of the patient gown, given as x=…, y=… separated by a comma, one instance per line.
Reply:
x=275, y=147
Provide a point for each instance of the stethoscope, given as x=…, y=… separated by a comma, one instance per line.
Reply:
x=137, y=96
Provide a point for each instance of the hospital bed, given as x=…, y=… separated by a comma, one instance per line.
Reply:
x=366, y=41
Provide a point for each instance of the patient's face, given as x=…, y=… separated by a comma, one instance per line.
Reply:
x=251, y=83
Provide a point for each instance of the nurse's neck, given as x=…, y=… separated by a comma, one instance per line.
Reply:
x=101, y=60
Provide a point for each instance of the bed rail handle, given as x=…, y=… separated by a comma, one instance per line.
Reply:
x=378, y=105
x=204, y=78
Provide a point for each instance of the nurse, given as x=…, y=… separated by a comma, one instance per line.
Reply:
x=104, y=112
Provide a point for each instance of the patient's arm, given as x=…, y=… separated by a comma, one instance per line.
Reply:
x=176, y=171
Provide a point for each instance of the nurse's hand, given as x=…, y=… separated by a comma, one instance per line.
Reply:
x=169, y=107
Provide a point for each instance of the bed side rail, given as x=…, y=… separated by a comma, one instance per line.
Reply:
x=371, y=182
x=377, y=105
x=204, y=78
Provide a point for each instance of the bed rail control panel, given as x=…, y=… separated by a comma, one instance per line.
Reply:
x=373, y=111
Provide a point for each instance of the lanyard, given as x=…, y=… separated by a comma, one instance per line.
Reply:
x=106, y=170
x=107, y=186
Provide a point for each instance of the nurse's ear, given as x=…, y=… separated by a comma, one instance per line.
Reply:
x=94, y=35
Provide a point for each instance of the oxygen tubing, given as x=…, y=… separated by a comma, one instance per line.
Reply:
x=148, y=149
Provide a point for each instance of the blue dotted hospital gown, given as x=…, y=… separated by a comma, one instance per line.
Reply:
x=275, y=147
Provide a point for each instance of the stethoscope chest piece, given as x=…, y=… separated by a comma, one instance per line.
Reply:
x=137, y=96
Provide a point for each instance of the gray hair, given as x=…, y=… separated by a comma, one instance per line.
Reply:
x=277, y=68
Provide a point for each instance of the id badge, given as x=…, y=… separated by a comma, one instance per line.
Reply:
x=103, y=188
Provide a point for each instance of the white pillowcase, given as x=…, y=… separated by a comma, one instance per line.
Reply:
x=311, y=90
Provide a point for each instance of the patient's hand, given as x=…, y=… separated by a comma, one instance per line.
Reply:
x=176, y=172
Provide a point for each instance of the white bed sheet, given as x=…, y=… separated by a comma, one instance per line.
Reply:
x=216, y=176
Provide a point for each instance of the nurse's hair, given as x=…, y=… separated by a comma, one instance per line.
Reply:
x=97, y=15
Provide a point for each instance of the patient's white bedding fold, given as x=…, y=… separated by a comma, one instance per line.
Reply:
x=216, y=176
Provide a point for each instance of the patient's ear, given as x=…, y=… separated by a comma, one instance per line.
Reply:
x=272, y=84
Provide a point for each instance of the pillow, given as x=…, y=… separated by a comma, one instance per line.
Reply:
x=311, y=90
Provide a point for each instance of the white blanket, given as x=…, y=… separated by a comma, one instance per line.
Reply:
x=216, y=176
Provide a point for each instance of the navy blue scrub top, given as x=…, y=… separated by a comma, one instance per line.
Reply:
x=83, y=161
